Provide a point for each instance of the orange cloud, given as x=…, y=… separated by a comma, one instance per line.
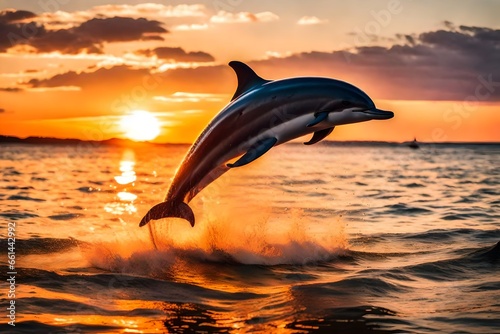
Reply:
x=243, y=17
x=54, y=89
x=181, y=97
x=177, y=54
x=153, y=11
x=188, y=27
x=310, y=20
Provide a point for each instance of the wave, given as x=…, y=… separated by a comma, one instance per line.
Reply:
x=93, y=189
x=468, y=215
x=487, y=191
x=363, y=319
x=16, y=215
x=38, y=305
x=65, y=216
x=469, y=264
x=414, y=185
x=43, y=245
x=18, y=187
x=490, y=181
x=11, y=171
x=130, y=287
x=24, y=198
x=33, y=326
x=439, y=235
x=405, y=210
x=489, y=253
x=35, y=178
x=292, y=182
x=353, y=285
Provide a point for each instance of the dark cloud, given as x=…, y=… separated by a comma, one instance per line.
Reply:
x=410, y=39
x=177, y=54
x=448, y=39
x=119, y=29
x=438, y=65
x=87, y=37
x=12, y=34
x=483, y=34
x=152, y=38
x=11, y=15
x=10, y=89
x=66, y=41
x=449, y=25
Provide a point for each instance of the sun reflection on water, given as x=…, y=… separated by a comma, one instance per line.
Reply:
x=124, y=200
x=126, y=196
x=127, y=168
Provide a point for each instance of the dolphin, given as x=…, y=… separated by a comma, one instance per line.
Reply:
x=262, y=114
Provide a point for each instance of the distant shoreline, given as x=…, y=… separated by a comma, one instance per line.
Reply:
x=127, y=142
x=73, y=141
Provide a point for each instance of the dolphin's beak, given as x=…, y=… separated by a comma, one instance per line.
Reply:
x=378, y=113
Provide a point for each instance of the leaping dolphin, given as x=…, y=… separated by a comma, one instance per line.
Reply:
x=262, y=114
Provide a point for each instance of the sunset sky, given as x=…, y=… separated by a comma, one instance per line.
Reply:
x=75, y=69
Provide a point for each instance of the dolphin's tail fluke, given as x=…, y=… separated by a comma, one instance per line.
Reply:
x=169, y=209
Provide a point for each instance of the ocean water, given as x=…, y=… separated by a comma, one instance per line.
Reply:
x=332, y=238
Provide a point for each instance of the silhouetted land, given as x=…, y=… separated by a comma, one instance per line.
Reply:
x=69, y=141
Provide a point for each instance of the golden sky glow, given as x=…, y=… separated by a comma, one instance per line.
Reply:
x=77, y=69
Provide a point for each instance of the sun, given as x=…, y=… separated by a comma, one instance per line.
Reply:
x=140, y=125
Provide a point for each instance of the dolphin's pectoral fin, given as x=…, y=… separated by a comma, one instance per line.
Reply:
x=319, y=135
x=319, y=117
x=257, y=150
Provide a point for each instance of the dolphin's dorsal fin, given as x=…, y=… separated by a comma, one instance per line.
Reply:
x=247, y=78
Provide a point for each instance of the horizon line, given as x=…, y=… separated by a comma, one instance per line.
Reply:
x=33, y=139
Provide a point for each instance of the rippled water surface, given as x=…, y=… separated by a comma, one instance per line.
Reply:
x=330, y=238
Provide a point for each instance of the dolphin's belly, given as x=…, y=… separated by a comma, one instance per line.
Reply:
x=286, y=131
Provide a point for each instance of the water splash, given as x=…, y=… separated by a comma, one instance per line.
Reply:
x=233, y=235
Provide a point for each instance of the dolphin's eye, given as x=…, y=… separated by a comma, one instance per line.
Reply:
x=345, y=103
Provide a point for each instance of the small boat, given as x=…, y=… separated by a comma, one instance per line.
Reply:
x=414, y=144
